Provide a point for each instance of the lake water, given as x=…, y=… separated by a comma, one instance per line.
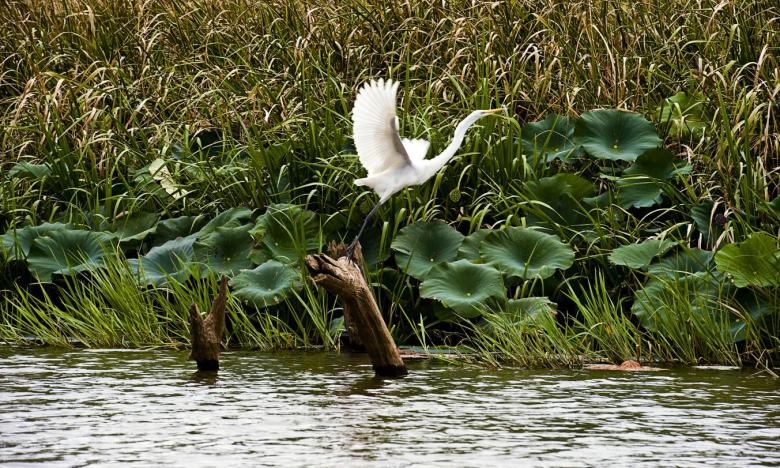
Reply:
x=117, y=407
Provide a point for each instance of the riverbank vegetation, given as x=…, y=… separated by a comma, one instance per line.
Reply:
x=626, y=208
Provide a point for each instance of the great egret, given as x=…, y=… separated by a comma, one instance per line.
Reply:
x=394, y=163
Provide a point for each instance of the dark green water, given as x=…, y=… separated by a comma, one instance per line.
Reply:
x=148, y=408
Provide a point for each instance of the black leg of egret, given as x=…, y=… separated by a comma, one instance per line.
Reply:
x=351, y=247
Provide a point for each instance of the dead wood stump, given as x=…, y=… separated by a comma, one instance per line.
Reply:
x=354, y=342
x=344, y=278
x=206, y=334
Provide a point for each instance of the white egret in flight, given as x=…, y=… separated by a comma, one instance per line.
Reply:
x=394, y=163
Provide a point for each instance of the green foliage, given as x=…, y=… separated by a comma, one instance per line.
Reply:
x=641, y=254
x=526, y=253
x=465, y=287
x=225, y=250
x=18, y=242
x=420, y=246
x=267, y=285
x=66, y=252
x=685, y=114
x=753, y=262
x=615, y=135
x=550, y=138
x=287, y=232
x=171, y=260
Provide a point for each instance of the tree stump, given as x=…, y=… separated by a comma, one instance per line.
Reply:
x=344, y=278
x=350, y=324
x=206, y=334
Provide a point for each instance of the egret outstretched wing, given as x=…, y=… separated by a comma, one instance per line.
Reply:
x=375, y=128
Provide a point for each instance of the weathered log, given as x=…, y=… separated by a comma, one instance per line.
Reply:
x=344, y=278
x=206, y=334
x=338, y=250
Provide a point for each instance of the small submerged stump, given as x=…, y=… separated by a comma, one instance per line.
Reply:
x=625, y=366
x=206, y=334
x=344, y=278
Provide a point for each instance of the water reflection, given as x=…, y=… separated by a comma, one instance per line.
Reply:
x=66, y=408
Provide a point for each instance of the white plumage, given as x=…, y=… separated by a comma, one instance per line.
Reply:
x=394, y=163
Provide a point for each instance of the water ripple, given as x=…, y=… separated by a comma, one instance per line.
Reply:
x=129, y=407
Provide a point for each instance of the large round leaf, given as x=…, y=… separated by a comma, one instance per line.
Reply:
x=67, y=251
x=133, y=228
x=640, y=255
x=754, y=262
x=685, y=114
x=469, y=250
x=420, y=246
x=226, y=250
x=616, y=135
x=661, y=300
x=463, y=286
x=266, y=285
x=558, y=199
x=287, y=231
x=642, y=184
x=16, y=243
x=172, y=260
x=182, y=226
x=682, y=262
x=550, y=138
x=230, y=218
x=526, y=253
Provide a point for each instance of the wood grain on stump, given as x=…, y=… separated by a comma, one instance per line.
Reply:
x=206, y=334
x=344, y=278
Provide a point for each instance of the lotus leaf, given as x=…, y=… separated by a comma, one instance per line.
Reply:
x=266, y=285
x=66, y=252
x=182, y=226
x=526, y=253
x=557, y=199
x=226, y=250
x=420, y=246
x=660, y=299
x=171, y=260
x=641, y=186
x=682, y=262
x=529, y=308
x=135, y=227
x=231, y=218
x=16, y=243
x=640, y=255
x=469, y=250
x=753, y=262
x=288, y=231
x=464, y=287
x=26, y=170
x=685, y=114
x=550, y=138
x=615, y=135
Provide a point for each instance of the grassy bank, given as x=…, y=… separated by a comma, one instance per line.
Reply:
x=117, y=116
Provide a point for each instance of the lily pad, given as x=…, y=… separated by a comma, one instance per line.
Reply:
x=615, y=135
x=681, y=262
x=557, y=199
x=288, y=231
x=182, y=226
x=133, y=228
x=266, y=285
x=464, y=287
x=685, y=114
x=550, y=138
x=26, y=170
x=526, y=253
x=469, y=249
x=753, y=262
x=66, y=252
x=420, y=246
x=171, y=260
x=16, y=243
x=231, y=218
x=642, y=183
x=640, y=255
x=226, y=250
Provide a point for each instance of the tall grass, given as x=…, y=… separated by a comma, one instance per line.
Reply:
x=248, y=104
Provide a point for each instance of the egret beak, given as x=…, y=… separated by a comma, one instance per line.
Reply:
x=494, y=111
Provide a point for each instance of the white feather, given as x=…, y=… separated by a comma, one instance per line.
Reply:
x=375, y=128
x=417, y=148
